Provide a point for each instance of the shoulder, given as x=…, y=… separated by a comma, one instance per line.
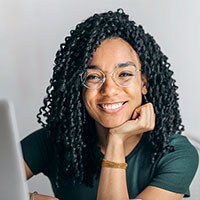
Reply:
x=175, y=170
x=182, y=162
x=178, y=139
x=42, y=132
x=37, y=141
x=184, y=153
x=38, y=135
x=37, y=151
x=183, y=146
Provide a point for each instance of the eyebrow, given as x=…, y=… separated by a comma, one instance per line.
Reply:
x=126, y=64
x=120, y=65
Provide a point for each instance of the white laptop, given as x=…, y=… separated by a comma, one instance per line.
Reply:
x=12, y=174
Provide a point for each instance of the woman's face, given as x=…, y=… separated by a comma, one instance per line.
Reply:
x=112, y=105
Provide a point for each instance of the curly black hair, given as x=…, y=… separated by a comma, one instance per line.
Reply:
x=71, y=129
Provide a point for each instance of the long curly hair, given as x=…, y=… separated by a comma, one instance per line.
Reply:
x=71, y=129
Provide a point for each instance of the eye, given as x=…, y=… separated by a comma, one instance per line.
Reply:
x=92, y=77
x=125, y=74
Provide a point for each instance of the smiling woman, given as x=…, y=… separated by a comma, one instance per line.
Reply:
x=117, y=95
x=111, y=127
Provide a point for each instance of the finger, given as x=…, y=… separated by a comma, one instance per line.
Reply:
x=149, y=113
x=139, y=112
x=44, y=197
x=126, y=128
x=151, y=116
x=135, y=115
x=145, y=118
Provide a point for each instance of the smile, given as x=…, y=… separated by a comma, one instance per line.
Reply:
x=111, y=107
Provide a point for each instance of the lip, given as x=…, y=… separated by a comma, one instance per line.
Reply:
x=112, y=110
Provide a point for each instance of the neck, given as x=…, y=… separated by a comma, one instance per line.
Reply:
x=129, y=145
x=102, y=133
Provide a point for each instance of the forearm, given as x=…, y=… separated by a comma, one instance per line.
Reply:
x=112, y=183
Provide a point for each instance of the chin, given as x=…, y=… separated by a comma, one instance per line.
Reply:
x=111, y=124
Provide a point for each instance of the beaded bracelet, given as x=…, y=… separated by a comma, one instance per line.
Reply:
x=110, y=164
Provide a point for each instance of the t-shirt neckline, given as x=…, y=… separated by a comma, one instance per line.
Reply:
x=137, y=147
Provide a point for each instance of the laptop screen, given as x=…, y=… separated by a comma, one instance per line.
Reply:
x=12, y=173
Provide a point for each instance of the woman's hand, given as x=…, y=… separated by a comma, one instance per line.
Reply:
x=43, y=197
x=143, y=120
x=113, y=184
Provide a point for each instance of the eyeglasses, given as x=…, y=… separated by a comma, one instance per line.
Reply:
x=123, y=77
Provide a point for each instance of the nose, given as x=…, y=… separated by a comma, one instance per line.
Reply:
x=109, y=87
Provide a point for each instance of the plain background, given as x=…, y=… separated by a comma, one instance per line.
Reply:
x=31, y=32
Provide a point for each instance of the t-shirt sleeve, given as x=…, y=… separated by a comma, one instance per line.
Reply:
x=175, y=170
x=35, y=150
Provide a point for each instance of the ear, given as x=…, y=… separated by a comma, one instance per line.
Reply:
x=144, y=84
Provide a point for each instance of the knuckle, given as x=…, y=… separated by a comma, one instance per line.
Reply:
x=150, y=105
x=152, y=126
x=143, y=124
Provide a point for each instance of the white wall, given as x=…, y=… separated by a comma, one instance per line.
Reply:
x=31, y=31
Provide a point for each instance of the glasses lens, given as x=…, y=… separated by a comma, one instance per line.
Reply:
x=92, y=78
x=125, y=76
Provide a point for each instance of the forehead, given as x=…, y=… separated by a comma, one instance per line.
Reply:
x=112, y=52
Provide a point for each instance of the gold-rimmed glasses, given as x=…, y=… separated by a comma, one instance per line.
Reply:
x=94, y=78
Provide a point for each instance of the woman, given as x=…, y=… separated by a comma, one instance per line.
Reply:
x=111, y=127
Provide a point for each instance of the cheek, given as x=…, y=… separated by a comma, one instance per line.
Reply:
x=89, y=103
x=135, y=91
x=84, y=96
x=135, y=95
x=88, y=98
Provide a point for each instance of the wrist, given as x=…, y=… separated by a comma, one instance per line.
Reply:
x=111, y=164
x=115, y=138
x=32, y=195
x=115, y=150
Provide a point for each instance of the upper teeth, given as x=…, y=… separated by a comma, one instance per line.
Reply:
x=111, y=106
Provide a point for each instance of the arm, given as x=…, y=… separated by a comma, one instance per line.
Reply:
x=155, y=193
x=112, y=184
x=35, y=154
x=29, y=174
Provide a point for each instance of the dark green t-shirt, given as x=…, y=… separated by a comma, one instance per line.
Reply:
x=173, y=171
